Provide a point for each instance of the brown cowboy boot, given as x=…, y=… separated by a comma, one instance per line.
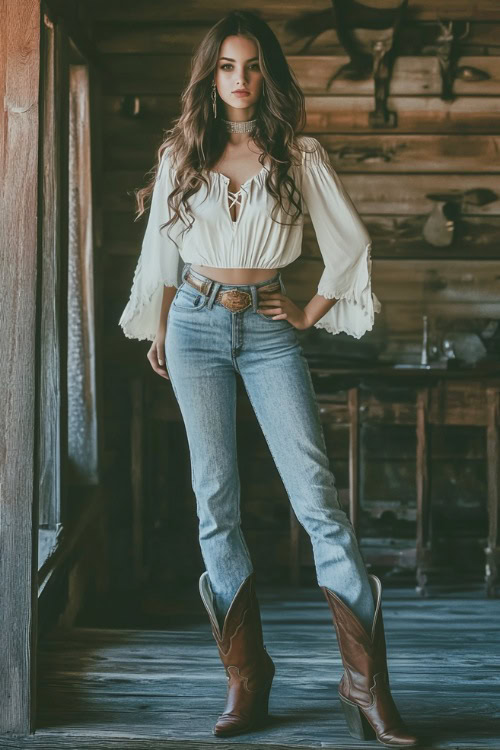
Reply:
x=249, y=668
x=364, y=689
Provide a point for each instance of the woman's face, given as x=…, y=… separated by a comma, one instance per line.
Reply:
x=238, y=68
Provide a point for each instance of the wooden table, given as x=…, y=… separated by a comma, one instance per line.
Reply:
x=468, y=397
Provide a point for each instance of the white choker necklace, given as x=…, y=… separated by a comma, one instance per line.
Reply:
x=239, y=127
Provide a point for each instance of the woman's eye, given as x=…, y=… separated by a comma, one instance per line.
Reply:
x=228, y=65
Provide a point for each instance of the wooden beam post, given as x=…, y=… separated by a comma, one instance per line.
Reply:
x=137, y=475
x=422, y=481
x=492, y=551
x=295, y=529
x=19, y=158
x=353, y=405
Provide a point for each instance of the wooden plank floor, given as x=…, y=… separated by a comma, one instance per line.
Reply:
x=159, y=688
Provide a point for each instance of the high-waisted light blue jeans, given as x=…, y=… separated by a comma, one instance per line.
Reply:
x=206, y=346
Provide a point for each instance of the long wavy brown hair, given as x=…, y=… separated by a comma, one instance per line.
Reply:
x=197, y=140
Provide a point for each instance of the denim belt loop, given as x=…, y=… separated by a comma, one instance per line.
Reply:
x=254, y=293
x=213, y=291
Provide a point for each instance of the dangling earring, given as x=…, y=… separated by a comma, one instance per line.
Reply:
x=214, y=98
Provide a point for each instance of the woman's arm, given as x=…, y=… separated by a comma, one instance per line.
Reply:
x=316, y=308
x=168, y=295
x=156, y=354
x=345, y=246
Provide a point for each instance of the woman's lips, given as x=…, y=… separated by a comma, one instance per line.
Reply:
x=241, y=93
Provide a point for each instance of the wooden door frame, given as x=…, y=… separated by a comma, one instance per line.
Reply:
x=19, y=279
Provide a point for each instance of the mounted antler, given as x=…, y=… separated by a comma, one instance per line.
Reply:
x=447, y=54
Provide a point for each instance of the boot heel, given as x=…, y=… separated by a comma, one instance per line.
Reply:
x=359, y=727
x=265, y=701
x=262, y=708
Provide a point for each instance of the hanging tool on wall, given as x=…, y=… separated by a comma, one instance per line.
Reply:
x=440, y=226
x=368, y=34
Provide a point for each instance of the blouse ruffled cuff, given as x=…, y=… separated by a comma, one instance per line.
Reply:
x=160, y=264
x=139, y=320
x=354, y=312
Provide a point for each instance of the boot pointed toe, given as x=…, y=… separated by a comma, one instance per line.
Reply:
x=398, y=738
x=229, y=724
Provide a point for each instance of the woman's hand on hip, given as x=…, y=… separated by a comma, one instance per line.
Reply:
x=280, y=307
x=156, y=355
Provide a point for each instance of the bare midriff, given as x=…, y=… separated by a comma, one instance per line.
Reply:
x=236, y=275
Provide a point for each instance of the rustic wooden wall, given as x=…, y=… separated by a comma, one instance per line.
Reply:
x=437, y=146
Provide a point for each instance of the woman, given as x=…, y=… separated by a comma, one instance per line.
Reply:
x=231, y=179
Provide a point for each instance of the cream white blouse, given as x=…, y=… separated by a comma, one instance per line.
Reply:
x=254, y=240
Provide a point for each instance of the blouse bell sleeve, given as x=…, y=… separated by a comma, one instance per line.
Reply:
x=159, y=264
x=345, y=246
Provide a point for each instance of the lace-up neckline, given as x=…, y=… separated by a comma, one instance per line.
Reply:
x=236, y=198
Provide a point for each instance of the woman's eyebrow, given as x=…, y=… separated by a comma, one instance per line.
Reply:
x=231, y=59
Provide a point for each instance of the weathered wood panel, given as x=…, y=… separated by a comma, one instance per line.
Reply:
x=415, y=114
x=157, y=10
x=49, y=462
x=326, y=114
x=413, y=153
x=148, y=37
x=82, y=397
x=20, y=346
x=403, y=321
x=412, y=76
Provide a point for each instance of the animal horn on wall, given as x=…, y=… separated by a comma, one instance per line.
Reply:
x=447, y=53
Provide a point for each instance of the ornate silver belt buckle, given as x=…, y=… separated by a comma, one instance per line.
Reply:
x=235, y=300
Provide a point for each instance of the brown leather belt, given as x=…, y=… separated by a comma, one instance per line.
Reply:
x=233, y=299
